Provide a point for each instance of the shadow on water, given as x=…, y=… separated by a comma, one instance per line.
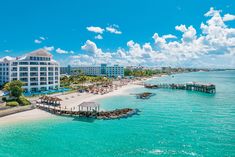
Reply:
x=84, y=119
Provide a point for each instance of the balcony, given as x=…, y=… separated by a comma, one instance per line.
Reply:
x=43, y=63
x=33, y=74
x=43, y=79
x=43, y=83
x=33, y=63
x=33, y=84
x=33, y=69
x=33, y=79
x=23, y=63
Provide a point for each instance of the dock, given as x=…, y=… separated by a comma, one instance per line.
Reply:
x=192, y=86
x=85, y=109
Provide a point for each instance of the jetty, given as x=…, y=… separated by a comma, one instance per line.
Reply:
x=145, y=95
x=85, y=109
x=192, y=86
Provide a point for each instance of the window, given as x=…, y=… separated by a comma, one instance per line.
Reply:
x=33, y=63
x=33, y=68
x=23, y=68
x=43, y=69
x=23, y=63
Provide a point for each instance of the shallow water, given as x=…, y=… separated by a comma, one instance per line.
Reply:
x=171, y=123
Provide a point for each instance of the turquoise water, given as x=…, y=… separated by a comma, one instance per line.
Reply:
x=171, y=123
x=52, y=91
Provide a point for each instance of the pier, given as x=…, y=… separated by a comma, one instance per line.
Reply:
x=85, y=109
x=193, y=86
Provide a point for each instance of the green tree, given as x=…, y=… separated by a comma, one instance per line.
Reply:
x=14, y=87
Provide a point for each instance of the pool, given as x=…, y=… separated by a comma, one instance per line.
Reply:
x=46, y=92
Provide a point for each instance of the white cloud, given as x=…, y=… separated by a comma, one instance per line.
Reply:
x=61, y=51
x=169, y=36
x=181, y=28
x=39, y=41
x=7, y=51
x=49, y=48
x=228, y=17
x=95, y=29
x=212, y=12
x=42, y=38
x=89, y=46
x=99, y=37
x=214, y=47
x=113, y=29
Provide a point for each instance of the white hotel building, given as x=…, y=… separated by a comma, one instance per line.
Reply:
x=37, y=70
x=103, y=70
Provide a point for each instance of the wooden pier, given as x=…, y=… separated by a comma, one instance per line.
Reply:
x=89, y=113
x=193, y=86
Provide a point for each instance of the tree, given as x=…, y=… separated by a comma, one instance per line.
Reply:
x=14, y=87
x=82, y=79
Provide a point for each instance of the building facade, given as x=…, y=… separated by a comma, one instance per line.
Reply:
x=103, y=70
x=37, y=70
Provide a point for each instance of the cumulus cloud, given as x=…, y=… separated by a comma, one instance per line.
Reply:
x=99, y=37
x=169, y=36
x=214, y=47
x=228, y=17
x=95, y=29
x=113, y=29
x=49, y=48
x=61, y=51
x=212, y=12
x=39, y=40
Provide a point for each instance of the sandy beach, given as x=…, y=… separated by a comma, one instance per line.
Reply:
x=69, y=100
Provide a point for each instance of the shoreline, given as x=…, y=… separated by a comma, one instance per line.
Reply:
x=37, y=114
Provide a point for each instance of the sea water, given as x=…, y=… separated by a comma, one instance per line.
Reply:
x=171, y=123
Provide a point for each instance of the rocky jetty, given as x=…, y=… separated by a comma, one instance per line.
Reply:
x=118, y=113
x=151, y=86
x=145, y=95
x=114, y=114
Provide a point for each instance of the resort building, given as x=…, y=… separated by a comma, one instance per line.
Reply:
x=102, y=70
x=37, y=70
x=66, y=70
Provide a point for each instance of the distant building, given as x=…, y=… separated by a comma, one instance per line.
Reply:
x=37, y=70
x=66, y=70
x=135, y=67
x=102, y=70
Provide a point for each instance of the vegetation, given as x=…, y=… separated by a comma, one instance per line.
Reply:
x=23, y=101
x=12, y=103
x=78, y=81
x=164, y=70
x=14, y=88
x=141, y=72
x=15, y=94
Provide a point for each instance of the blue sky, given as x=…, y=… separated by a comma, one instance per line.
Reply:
x=69, y=29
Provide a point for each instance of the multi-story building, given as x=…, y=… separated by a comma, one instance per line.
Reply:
x=103, y=70
x=37, y=70
x=66, y=70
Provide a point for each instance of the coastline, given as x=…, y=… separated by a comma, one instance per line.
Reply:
x=37, y=114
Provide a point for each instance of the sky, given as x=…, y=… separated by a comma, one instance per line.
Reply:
x=177, y=33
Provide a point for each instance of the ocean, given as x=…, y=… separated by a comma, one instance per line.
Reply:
x=171, y=123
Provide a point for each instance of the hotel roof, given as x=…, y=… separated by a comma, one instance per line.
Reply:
x=40, y=52
x=89, y=104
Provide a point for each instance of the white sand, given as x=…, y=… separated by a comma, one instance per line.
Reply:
x=69, y=100
x=30, y=115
